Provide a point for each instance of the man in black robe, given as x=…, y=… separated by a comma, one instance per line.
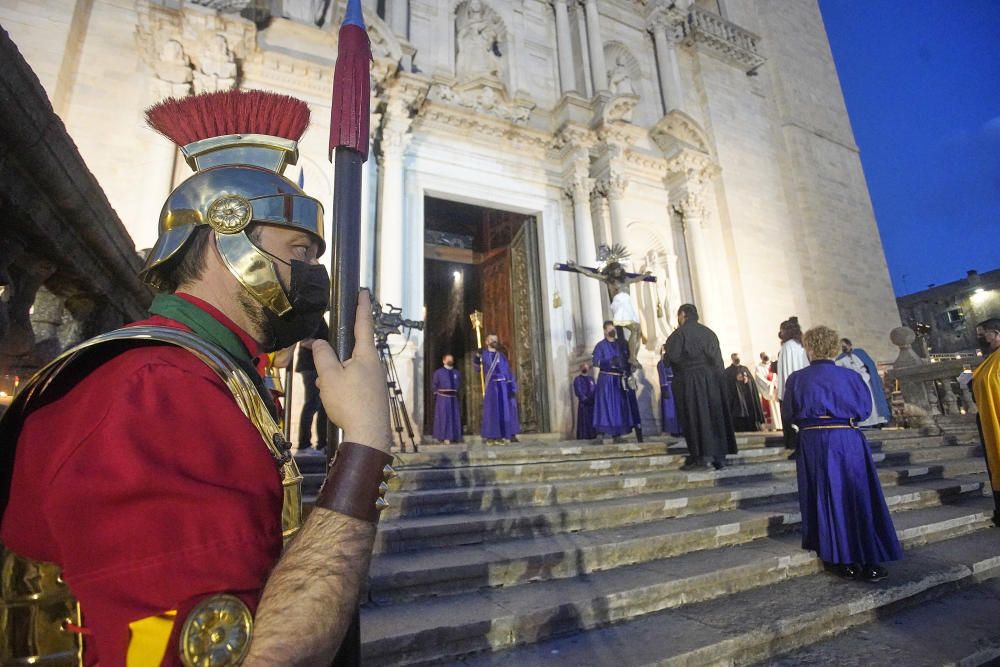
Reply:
x=702, y=407
x=744, y=402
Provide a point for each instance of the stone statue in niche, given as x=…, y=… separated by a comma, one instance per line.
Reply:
x=619, y=78
x=478, y=35
x=173, y=70
x=310, y=12
x=217, y=68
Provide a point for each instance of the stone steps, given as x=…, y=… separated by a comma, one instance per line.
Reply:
x=417, y=479
x=503, y=497
x=448, y=627
x=957, y=628
x=752, y=626
x=468, y=568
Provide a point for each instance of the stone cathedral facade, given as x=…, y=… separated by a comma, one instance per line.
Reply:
x=710, y=137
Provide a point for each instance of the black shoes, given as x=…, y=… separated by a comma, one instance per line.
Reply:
x=873, y=573
x=719, y=464
x=869, y=572
x=847, y=571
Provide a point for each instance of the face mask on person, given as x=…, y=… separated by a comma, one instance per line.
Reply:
x=492, y=344
x=309, y=295
x=611, y=334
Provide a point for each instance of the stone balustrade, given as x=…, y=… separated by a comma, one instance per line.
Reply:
x=724, y=39
x=930, y=387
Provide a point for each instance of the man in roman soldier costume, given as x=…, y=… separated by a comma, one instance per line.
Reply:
x=145, y=487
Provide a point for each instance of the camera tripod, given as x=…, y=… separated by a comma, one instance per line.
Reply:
x=398, y=415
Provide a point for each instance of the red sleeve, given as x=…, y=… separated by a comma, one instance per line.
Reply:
x=172, y=496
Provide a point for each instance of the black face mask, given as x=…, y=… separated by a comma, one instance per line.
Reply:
x=309, y=295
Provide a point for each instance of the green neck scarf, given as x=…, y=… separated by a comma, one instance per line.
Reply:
x=203, y=324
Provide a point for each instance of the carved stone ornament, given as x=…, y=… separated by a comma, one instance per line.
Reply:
x=677, y=131
x=216, y=67
x=484, y=96
x=479, y=36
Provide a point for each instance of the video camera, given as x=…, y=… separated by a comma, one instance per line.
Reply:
x=389, y=320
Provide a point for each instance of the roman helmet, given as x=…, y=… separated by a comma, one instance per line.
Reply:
x=238, y=143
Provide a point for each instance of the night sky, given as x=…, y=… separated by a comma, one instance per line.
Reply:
x=922, y=83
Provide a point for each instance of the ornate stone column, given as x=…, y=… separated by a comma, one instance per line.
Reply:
x=673, y=288
x=692, y=208
x=613, y=187
x=591, y=307
x=390, y=232
x=595, y=45
x=564, y=44
x=666, y=35
x=397, y=14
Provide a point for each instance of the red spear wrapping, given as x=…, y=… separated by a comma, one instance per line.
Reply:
x=349, y=119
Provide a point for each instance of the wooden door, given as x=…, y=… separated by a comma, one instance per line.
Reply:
x=527, y=346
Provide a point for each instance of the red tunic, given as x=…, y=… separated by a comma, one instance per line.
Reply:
x=150, y=489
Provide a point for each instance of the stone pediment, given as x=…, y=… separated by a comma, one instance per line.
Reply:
x=677, y=132
x=485, y=96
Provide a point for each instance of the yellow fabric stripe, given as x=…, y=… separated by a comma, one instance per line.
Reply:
x=986, y=387
x=148, y=639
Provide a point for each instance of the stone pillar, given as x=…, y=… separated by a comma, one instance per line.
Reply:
x=595, y=45
x=390, y=233
x=564, y=44
x=693, y=210
x=665, y=37
x=613, y=188
x=592, y=310
x=397, y=15
x=674, y=287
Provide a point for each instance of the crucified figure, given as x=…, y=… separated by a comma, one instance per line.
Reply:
x=618, y=282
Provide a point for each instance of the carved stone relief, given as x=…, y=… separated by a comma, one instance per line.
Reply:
x=479, y=41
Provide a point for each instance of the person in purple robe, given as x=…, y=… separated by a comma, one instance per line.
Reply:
x=844, y=515
x=447, y=406
x=668, y=409
x=584, y=387
x=500, y=420
x=612, y=411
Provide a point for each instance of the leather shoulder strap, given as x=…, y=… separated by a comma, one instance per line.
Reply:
x=235, y=379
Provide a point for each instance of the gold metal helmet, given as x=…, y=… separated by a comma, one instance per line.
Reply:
x=238, y=143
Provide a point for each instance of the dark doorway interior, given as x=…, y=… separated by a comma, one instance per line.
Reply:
x=477, y=259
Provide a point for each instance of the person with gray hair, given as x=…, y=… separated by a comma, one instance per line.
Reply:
x=845, y=519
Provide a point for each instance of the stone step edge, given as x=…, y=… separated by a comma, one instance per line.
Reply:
x=780, y=567
x=786, y=635
x=463, y=502
x=470, y=528
x=415, y=583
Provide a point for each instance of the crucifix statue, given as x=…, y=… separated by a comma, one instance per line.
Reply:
x=619, y=282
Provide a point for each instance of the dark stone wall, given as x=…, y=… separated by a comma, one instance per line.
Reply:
x=67, y=265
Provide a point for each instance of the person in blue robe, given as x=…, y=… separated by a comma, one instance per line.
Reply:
x=447, y=406
x=861, y=362
x=668, y=410
x=845, y=519
x=500, y=421
x=584, y=388
x=612, y=410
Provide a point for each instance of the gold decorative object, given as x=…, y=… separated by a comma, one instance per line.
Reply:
x=477, y=322
x=389, y=472
x=556, y=300
x=381, y=504
x=230, y=214
x=216, y=633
